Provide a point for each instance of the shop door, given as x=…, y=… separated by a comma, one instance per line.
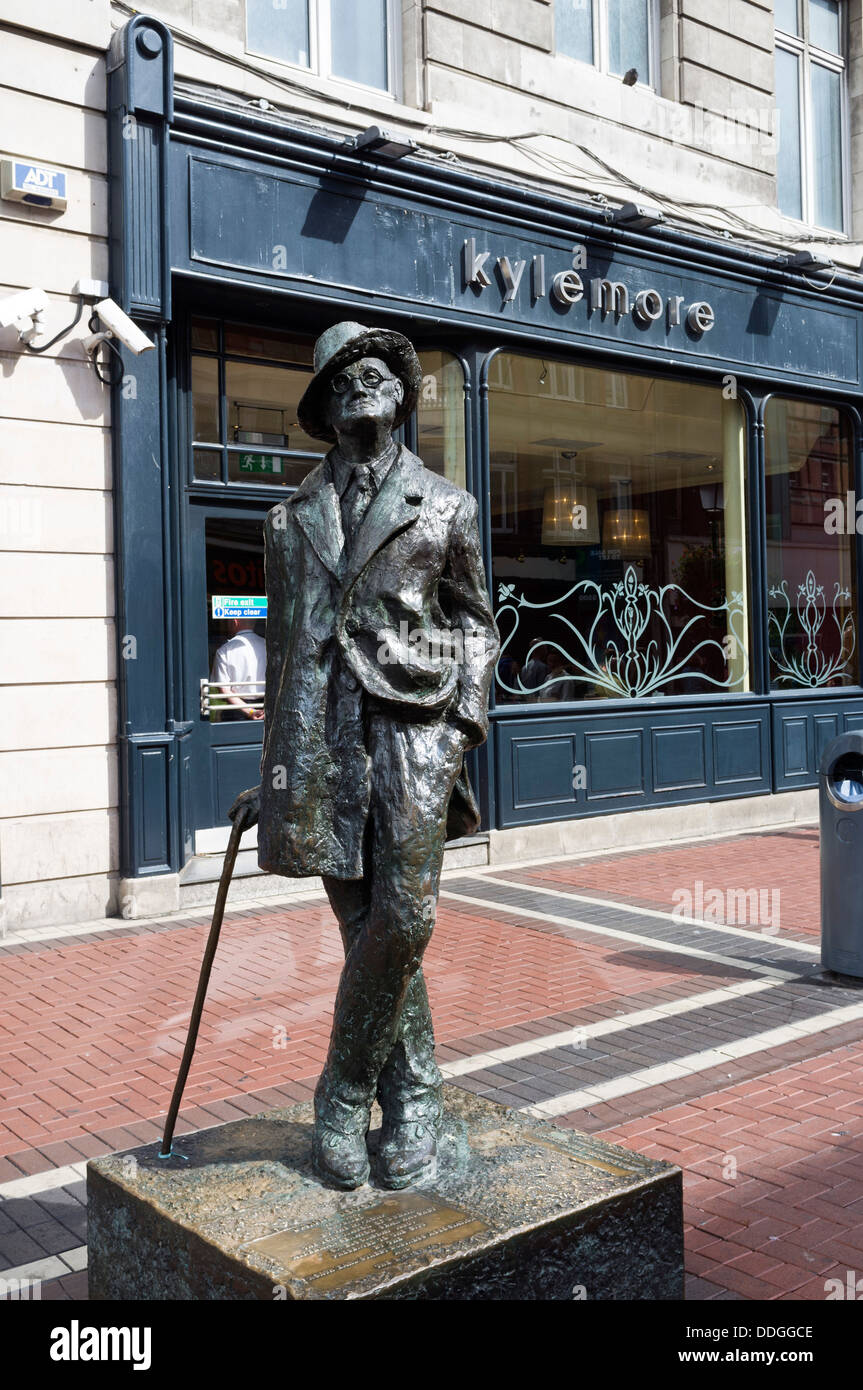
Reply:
x=225, y=662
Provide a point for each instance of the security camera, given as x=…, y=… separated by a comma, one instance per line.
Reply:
x=116, y=325
x=22, y=311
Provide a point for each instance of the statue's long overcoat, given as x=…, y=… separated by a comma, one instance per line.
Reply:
x=340, y=622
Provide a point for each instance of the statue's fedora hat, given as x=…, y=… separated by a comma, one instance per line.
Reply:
x=337, y=348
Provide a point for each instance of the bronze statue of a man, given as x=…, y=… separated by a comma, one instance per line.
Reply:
x=380, y=650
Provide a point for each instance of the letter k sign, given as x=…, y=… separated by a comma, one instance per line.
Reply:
x=474, y=274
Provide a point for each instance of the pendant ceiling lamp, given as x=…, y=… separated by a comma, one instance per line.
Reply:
x=626, y=529
x=570, y=515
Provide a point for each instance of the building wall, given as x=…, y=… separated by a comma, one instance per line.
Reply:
x=493, y=64
x=58, y=829
x=702, y=143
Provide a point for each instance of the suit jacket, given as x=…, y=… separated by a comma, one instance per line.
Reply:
x=402, y=615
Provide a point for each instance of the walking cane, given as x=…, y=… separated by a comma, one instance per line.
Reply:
x=239, y=826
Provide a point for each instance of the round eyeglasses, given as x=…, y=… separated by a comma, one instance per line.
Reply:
x=369, y=377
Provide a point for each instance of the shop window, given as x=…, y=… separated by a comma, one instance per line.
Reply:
x=352, y=40
x=615, y=36
x=811, y=103
x=440, y=416
x=246, y=386
x=619, y=546
x=811, y=544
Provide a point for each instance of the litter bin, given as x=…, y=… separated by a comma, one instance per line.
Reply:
x=841, y=807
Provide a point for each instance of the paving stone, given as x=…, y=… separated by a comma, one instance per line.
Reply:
x=17, y=1248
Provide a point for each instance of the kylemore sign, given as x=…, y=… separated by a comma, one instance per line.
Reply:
x=574, y=284
x=366, y=251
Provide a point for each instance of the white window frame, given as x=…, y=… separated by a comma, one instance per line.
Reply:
x=602, y=44
x=320, y=50
x=503, y=477
x=807, y=53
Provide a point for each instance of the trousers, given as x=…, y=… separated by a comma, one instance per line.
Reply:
x=382, y=1040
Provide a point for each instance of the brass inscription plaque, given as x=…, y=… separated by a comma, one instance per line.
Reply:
x=576, y=1151
x=351, y=1245
x=590, y=1160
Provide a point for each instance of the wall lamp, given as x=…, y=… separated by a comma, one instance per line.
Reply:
x=637, y=216
x=382, y=143
x=812, y=261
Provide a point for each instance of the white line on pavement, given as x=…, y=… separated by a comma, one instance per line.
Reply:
x=615, y=851
x=25, y=936
x=43, y=1182
x=575, y=1037
x=52, y=1267
x=692, y=1064
x=670, y=947
x=701, y=922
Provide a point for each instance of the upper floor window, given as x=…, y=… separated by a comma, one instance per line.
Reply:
x=614, y=35
x=351, y=40
x=811, y=102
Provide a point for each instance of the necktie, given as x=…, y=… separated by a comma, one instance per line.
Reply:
x=358, y=494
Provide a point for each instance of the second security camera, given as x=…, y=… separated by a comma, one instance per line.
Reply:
x=116, y=325
x=22, y=311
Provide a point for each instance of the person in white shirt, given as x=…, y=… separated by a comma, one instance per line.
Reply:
x=241, y=662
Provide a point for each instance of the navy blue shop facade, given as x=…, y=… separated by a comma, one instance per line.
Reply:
x=662, y=431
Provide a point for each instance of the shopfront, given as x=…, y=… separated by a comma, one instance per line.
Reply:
x=661, y=430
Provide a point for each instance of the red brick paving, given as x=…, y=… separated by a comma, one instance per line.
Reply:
x=124, y=1004
x=785, y=860
x=91, y=1030
x=773, y=1185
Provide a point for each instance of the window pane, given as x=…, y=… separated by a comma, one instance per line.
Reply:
x=810, y=557
x=618, y=535
x=573, y=20
x=280, y=29
x=788, y=116
x=243, y=340
x=628, y=41
x=824, y=25
x=208, y=465
x=440, y=416
x=262, y=407
x=205, y=398
x=827, y=146
x=786, y=16
x=359, y=41
x=205, y=335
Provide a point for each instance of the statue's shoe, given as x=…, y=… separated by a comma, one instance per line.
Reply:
x=408, y=1150
x=340, y=1159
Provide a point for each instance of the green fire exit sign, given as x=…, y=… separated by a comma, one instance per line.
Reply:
x=260, y=463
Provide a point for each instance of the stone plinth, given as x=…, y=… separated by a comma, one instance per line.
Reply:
x=518, y=1209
